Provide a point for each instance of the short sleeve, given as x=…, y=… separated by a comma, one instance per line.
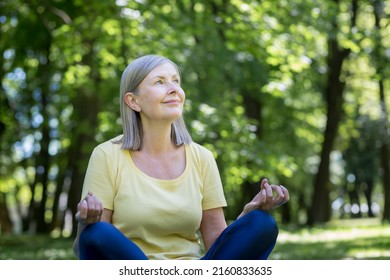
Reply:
x=99, y=177
x=213, y=195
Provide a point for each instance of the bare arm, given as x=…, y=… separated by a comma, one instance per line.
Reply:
x=212, y=225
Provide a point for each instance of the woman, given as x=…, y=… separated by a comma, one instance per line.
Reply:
x=152, y=193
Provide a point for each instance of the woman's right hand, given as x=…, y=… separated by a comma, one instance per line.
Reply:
x=89, y=210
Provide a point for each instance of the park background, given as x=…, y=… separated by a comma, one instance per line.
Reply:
x=295, y=91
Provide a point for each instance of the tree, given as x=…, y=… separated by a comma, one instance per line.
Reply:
x=380, y=62
x=258, y=94
x=334, y=95
x=361, y=163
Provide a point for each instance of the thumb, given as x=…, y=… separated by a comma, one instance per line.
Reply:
x=260, y=196
x=263, y=183
x=82, y=210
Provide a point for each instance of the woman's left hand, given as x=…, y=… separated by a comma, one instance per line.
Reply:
x=269, y=197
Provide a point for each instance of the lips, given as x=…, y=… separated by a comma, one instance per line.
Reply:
x=172, y=101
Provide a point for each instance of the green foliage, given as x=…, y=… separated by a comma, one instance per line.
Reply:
x=254, y=74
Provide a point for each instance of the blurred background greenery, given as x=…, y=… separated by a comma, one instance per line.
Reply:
x=295, y=91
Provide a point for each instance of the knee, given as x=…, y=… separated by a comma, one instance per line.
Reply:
x=95, y=234
x=263, y=223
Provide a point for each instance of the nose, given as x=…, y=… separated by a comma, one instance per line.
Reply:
x=173, y=88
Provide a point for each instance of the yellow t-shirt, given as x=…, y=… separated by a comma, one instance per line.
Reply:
x=161, y=216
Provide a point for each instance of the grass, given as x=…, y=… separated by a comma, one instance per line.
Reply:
x=343, y=239
x=26, y=247
x=355, y=239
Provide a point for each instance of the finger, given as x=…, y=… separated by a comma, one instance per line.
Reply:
x=263, y=182
x=282, y=196
x=278, y=199
x=268, y=190
x=99, y=207
x=262, y=197
x=278, y=190
x=93, y=206
x=285, y=193
x=96, y=210
x=99, y=210
x=83, y=209
x=259, y=196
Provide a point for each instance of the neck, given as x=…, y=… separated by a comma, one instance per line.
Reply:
x=157, y=139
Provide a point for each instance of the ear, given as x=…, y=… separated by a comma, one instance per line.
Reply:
x=131, y=101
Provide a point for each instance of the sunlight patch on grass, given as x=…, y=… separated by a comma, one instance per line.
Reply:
x=337, y=231
x=370, y=254
x=348, y=239
x=306, y=235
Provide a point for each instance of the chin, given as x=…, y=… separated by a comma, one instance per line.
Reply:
x=175, y=117
x=176, y=114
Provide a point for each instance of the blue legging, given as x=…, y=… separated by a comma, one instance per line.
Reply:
x=252, y=237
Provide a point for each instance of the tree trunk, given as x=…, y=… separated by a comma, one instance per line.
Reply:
x=84, y=134
x=43, y=161
x=82, y=146
x=253, y=110
x=386, y=182
x=36, y=216
x=5, y=221
x=385, y=153
x=368, y=189
x=320, y=211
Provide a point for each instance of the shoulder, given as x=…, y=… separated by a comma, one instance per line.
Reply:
x=110, y=147
x=199, y=152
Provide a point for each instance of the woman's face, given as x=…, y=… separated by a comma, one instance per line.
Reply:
x=160, y=96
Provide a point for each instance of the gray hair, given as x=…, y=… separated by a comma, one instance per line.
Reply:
x=132, y=76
